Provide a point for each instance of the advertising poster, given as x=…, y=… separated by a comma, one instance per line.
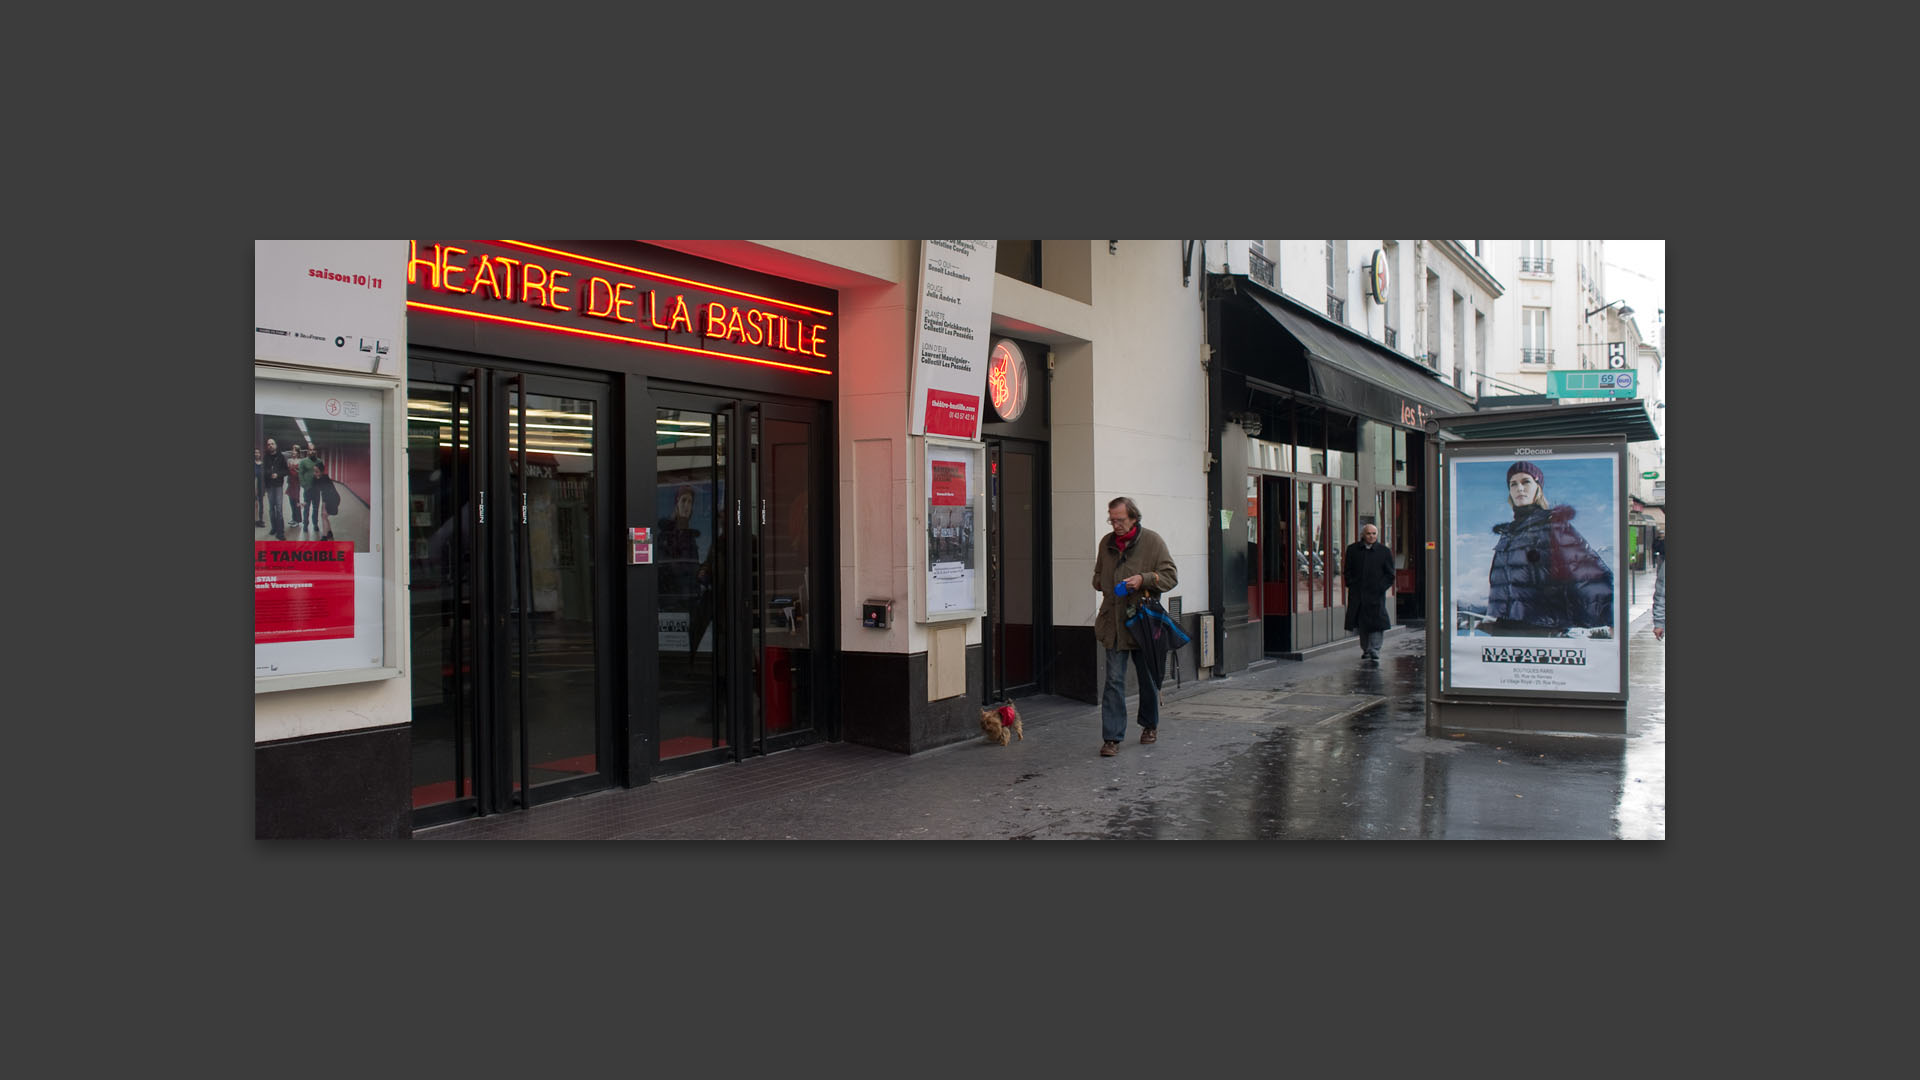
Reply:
x=338, y=304
x=682, y=553
x=1535, y=605
x=951, y=554
x=950, y=337
x=318, y=589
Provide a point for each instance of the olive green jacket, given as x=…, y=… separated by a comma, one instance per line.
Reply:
x=1146, y=556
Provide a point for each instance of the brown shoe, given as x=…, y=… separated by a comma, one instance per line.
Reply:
x=1109, y=748
x=1149, y=735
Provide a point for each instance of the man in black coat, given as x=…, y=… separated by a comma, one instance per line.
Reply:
x=1369, y=574
x=276, y=476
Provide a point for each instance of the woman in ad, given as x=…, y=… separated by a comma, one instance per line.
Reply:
x=1545, y=578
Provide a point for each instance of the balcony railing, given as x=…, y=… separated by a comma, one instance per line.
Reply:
x=1393, y=338
x=1336, y=308
x=1536, y=356
x=1260, y=268
x=1530, y=265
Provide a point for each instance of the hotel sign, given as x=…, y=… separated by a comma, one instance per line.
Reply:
x=516, y=283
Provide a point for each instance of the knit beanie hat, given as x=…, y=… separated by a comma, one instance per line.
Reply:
x=1527, y=467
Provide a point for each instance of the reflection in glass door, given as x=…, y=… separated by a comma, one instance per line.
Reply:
x=504, y=478
x=734, y=577
x=782, y=554
x=691, y=512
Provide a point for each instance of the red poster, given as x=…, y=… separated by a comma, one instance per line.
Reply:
x=302, y=591
x=949, y=483
x=949, y=413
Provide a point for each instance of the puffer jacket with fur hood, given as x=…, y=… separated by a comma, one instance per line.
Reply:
x=1546, y=575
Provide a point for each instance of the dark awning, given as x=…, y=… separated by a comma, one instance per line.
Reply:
x=1352, y=370
x=1606, y=416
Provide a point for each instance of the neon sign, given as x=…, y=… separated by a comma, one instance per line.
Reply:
x=547, y=294
x=1007, y=379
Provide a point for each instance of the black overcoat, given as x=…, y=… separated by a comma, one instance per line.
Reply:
x=1369, y=574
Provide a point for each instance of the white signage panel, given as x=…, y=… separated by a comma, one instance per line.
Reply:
x=339, y=304
x=950, y=337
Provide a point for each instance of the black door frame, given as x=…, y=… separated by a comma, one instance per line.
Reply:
x=745, y=607
x=486, y=384
x=994, y=685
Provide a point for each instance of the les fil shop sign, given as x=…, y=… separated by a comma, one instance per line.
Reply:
x=545, y=288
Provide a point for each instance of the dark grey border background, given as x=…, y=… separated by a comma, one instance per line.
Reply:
x=329, y=957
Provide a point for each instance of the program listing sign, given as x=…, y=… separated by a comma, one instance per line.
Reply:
x=950, y=337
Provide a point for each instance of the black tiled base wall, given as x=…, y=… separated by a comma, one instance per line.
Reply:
x=348, y=786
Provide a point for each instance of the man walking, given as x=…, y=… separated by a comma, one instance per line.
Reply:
x=304, y=470
x=276, y=464
x=1369, y=574
x=1135, y=559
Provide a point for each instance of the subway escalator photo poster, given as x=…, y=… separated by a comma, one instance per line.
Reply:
x=1534, y=604
x=317, y=578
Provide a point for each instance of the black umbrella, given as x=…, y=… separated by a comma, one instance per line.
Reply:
x=1157, y=636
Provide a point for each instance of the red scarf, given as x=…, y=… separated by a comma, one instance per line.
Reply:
x=1121, y=540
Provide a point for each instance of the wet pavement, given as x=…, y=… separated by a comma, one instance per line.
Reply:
x=1330, y=747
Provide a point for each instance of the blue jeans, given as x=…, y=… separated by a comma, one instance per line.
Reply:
x=1113, y=701
x=1370, y=641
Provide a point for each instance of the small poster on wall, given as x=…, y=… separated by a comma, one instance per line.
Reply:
x=954, y=585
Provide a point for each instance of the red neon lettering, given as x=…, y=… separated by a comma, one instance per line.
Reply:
x=619, y=303
x=819, y=340
x=554, y=286
x=432, y=265
x=653, y=310
x=447, y=269
x=483, y=277
x=716, y=322
x=528, y=286
x=509, y=264
x=734, y=333
x=680, y=314
x=597, y=287
x=754, y=319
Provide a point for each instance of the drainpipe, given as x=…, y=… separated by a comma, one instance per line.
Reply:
x=1419, y=290
x=1216, y=485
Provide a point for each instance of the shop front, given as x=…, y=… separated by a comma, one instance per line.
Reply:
x=618, y=463
x=1319, y=432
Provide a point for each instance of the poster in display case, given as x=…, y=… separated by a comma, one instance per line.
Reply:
x=952, y=583
x=1534, y=604
x=322, y=580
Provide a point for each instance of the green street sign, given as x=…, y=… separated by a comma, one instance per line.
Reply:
x=1609, y=384
x=1653, y=475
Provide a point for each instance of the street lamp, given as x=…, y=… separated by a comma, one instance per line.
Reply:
x=1625, y=311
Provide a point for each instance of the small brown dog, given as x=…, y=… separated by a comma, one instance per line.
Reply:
x=1001, y=723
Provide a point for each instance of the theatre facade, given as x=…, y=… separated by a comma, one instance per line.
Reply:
x=608, y=511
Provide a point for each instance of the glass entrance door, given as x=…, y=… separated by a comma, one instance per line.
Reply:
x=509, y=592
x=737, y=579
x=1016, y=564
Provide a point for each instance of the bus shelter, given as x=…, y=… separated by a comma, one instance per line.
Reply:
x=1527, y=564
